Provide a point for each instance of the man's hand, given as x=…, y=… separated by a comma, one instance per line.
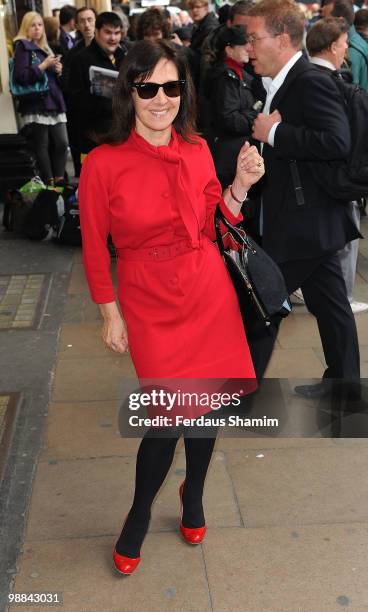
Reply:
x=263, y=123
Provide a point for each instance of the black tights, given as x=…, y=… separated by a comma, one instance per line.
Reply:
x=154, y=458
x=50, y=143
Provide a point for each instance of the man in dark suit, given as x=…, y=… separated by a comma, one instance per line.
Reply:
x=85, y=22
x=67, y=25
x=302, y=227
x=327, y=43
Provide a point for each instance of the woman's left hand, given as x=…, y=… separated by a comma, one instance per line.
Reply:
x=249, y=168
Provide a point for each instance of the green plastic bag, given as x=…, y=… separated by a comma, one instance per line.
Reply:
x=31, y=189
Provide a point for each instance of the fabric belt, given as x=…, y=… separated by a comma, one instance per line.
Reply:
x=156, y=253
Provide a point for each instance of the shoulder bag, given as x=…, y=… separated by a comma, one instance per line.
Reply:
x=257, y=279
x=38, y=89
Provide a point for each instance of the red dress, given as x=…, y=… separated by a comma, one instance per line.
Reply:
x=176, y=297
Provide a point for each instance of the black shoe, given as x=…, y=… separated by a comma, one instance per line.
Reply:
x=321, y=389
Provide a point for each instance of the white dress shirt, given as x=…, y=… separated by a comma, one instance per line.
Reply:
x=319, y=61
x=273, y=87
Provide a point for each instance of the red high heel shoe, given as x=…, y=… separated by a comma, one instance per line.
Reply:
x=192, y=535
x=125, y=565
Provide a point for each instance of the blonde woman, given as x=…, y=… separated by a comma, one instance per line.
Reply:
x=43, y=113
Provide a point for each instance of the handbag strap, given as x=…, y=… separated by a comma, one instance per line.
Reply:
x=239, y=235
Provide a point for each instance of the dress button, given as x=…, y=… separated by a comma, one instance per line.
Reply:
x=165, y=194
x=174, y=280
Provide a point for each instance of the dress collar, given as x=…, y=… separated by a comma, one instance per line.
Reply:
x=168, y=152
x=185, y=193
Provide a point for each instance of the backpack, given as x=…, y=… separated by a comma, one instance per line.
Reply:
x=348, y=179
x=43, y=217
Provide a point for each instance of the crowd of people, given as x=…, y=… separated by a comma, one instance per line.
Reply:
x=215, y=47
x=272, y=119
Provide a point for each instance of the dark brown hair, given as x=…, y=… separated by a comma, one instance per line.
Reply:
x=139, y=64
x=191, y=3
x=343, y=8
x=361, y=19
x=240, y=8
x=281, y=17
x=67, y=13
x=325, y=32
x=151, y=21
x=85, y=8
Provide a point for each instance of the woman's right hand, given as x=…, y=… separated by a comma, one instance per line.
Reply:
x=49, y=62
x=115, y=334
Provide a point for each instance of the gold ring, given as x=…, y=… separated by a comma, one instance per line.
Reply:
x=259, y=164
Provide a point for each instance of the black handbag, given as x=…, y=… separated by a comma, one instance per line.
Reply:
x=257, y=279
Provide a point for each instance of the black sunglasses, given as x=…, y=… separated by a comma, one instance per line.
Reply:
x=172, y=89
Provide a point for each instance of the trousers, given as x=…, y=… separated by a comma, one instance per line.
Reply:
x=50, y=143
x=349, y=255
x=325, y=294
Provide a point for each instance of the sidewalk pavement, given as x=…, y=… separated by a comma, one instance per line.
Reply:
x=287, y=517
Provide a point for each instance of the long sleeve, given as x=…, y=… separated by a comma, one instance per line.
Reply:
x=79, y=92
x=25, y=73
x=93, y=195
x=325, y=134
x=213, y=194
x=229, y=115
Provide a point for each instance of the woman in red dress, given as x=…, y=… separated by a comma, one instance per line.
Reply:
x=153, y=187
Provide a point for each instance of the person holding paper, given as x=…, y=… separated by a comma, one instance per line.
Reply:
x=95, y=111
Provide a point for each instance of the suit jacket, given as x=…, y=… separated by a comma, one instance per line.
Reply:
x=63, y=41
x=314, y=127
